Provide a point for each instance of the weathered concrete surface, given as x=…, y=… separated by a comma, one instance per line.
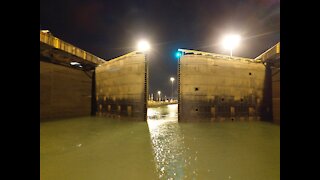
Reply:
x=64, y=92
x=121, y=87
x=216, y=87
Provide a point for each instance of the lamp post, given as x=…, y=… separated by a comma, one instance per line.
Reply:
x=230, y=42
x=159, y=92
x=172, y=79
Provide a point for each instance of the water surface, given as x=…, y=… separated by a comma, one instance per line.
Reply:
x=162, y=148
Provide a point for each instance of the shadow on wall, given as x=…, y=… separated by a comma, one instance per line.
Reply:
x=93, y=96
x=266, y=104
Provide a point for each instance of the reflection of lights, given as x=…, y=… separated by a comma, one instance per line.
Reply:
x=173, y=110
x=155, y=126
x=167, y=147
x=153, y=114
x=167, y=142
x=173, y=107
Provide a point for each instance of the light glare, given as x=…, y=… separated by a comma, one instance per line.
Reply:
x=74, y=63
x=143, y=46
x=178, y=54
x=231, y=41
x=45, y=31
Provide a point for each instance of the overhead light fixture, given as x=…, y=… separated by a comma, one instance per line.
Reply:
x=75, y=63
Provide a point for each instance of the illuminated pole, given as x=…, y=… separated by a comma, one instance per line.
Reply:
x=159, y=92
x=172, y=79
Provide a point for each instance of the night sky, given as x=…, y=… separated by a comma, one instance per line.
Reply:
x=109, y=29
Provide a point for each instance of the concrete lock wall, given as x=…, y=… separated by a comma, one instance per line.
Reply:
x=219, y=88
x=64, y=92
x=121, y=87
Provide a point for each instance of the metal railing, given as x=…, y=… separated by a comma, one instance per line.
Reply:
x=269, y=53
x=55, y=42
x=214, y=55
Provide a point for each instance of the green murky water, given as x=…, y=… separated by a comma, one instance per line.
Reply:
x=98, y=148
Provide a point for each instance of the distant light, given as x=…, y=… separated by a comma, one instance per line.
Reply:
x=172, y=79
x=143, y=46
x=74, y=63
x=45, y=31
x=231, y=41
x=178, y=54
x=159, y=92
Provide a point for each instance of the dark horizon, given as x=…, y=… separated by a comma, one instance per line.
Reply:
x=109, y=29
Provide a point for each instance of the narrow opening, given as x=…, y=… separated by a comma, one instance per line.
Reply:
x=249, y=73
x=241, y=100
x=222, y=99
x=196, y=89
x=197, y=109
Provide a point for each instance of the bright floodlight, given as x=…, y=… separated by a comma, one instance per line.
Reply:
x=172, y=79
x=231, y=41
x=143, y=46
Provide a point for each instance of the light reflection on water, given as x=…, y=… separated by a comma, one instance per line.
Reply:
x=229, y=150
x=168, y=144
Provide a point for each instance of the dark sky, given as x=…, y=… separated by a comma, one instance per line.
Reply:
x=109, y=29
